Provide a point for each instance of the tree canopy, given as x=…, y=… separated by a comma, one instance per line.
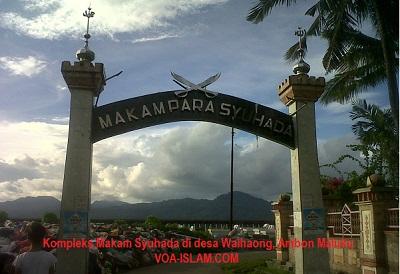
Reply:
x=153, y=222
x=378, y=135
x=3, y=217
x=50, y=218
x=379, y=148
x=358, y=60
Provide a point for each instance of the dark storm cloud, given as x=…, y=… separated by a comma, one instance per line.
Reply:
x=195, y=162
x=21, y=168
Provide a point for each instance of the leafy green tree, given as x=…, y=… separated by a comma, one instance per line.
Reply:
x=153, y=222
x=378, y=135
x=379, y=146
x=172, y=227
x=3, y=217
x=359, y=60
x=120, y=222
x=123, y=224
x=50, y=218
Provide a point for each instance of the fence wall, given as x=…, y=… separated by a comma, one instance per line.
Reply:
x=344, y=223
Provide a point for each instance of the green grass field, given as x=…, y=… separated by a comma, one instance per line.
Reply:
x=252, y=264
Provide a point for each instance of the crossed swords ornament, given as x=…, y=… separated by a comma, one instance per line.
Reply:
x=189, y=86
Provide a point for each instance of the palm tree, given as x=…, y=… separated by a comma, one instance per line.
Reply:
x=354, y=56
x=376, y=132
x=375, y=129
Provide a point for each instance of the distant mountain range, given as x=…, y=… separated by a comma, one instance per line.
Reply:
x=246, y=208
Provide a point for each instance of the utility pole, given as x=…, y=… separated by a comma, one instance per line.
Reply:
x=231, y=206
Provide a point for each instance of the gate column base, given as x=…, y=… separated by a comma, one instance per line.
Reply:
x=282, y=210
x=373, y=203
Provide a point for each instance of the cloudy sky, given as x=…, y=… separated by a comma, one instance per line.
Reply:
x=148, y=40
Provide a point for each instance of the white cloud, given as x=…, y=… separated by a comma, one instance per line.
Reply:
x=38, y=5
x=61, y=88
x=36, y=139
x=27, y=66
x=25, y=187
x=60, y=120
x=369, y=95
x=20, y=168
x=155, y=38
x=329, y=151
x=63, y=18
x=150, y=165
x=336, y=108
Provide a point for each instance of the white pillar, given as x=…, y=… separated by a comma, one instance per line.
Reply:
x=299, y=93
x=84, y=81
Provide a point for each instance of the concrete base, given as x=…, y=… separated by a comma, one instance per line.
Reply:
x=72, y=261
x=282, y=256
x=373, y=270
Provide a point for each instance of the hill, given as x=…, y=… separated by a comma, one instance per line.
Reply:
x=246, y=207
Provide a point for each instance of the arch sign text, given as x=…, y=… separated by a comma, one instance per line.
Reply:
x=191, y=105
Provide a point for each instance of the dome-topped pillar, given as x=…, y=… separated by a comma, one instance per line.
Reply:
x=85, y=81
x=299, y=93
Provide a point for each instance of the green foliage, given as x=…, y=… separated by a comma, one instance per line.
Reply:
x=254, y=266
x=341, y=189
x=355, y=180
x=359, y=68
x=340, y=23
x=50, y=218
x=378, y=135
x=123, y=224
x=263, y=8
x=378, y=146
x=337, y=188
x=358, y=60
x=120, y=222
x=137, y=224
x=172, y=227
x=3, y=217
x=341, y=159
x=153, y=222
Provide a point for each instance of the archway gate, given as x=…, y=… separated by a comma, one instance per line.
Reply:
x=166, y=107
x=89, y=124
